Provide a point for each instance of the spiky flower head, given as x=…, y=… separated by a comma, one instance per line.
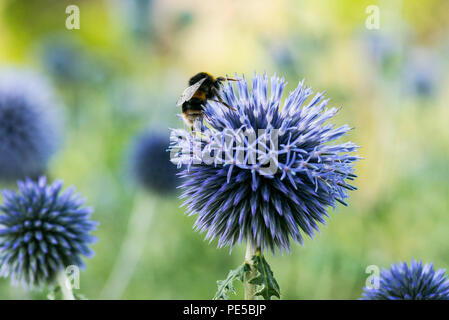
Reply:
x=29, y=124
x=280, y=172
x=42, y=231
x=414, y=282
x=150, y=162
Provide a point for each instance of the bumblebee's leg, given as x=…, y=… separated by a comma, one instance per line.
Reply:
x=225, y=104
x=220, y=100
x=206, y=116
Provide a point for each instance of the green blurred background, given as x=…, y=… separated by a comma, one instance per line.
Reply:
x=124, y=69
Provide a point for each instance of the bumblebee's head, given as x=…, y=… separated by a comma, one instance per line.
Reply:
x=221, y=79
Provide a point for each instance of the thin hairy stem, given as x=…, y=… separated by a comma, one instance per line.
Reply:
x=250, y=289
x=65, y=285
x=132, y=247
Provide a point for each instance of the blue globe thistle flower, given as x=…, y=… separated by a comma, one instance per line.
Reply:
x=150, y=162
x=29, y=125
x=417, y=282
x=42, y=231
x=237, y=200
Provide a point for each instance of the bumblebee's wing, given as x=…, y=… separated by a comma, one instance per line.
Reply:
x=189, y=92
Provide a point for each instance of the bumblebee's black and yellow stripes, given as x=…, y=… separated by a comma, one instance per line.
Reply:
x=193, y=106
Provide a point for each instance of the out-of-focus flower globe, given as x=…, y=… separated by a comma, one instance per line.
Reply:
x=150, y=162
x=42, y=231
x=69, y=63
x=239, y=200
x=414, y=282
x=30, y=124
x=421, y=73
x=64, y=59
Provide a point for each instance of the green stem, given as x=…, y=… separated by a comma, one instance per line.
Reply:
x=250, y=289
x=65, y=285
x=132, y=247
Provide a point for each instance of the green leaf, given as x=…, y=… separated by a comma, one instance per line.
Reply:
x=225, y=287
x=268, y=285
x=79, y=296
x=54, y=293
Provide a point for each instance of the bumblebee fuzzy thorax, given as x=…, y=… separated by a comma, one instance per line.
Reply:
x=202, y=87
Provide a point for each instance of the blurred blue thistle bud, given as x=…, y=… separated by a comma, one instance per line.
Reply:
x=42, y=231
x=414, y=282
x=70, y=63
x=29, y=124
x=64, y=59
x=421, y=73
x=264, y=173
x=150, y=162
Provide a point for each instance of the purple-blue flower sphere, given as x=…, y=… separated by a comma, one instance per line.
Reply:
x=29, y=124
x=42, y=231
x=150, y=162
x=414, y=282
x=280, y=173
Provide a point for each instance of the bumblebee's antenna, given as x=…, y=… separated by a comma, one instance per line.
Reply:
x=227, y=79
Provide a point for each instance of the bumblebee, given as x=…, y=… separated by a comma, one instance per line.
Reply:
x=202, y=87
